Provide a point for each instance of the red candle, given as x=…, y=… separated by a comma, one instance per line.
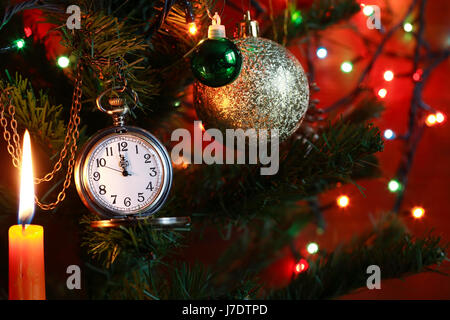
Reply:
x=26, y=241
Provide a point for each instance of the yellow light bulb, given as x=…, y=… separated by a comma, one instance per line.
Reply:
x=418, y=212
x=343, y=201
x=192, y=28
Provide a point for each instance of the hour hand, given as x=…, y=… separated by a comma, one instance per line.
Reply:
x=123, y=163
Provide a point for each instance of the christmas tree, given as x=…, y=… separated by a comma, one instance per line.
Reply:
x=210, y=221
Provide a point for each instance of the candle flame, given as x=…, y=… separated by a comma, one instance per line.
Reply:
x=26, y=205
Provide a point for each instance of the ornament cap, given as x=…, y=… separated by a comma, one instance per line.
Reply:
x=216, y=30
x=248, y=27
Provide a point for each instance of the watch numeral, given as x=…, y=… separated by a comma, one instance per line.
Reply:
x=147, y=158
x=127, y=201
x=152, y=172
x=115, y=198
x=101, y=162
x=141, y=197
x=149, y=186
x=102, y=189
x=123, y=146
x=96, y=176
x=109, y=151
x=137, y=149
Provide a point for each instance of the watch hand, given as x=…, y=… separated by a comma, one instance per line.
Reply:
x=123, y=163
x=113, y=169
x=126, y=173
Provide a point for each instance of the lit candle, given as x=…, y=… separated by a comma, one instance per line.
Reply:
x=26, y=241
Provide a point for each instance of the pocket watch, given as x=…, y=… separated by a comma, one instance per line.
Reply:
x=123, y=173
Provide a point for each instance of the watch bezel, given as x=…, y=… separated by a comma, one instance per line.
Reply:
x=81, y=170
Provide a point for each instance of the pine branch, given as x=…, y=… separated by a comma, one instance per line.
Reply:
x=308, y=166
x=321, y=15
x=36, y=113
x=397, y=253
x=181, y=281
x=127, y=245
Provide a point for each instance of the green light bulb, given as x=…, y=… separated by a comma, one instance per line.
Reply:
x=19, y=43
x=63, y=62
x=296, y=17
x=346, y=66
x=394, y=186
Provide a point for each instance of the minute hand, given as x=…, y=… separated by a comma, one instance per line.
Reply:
x=113, y=169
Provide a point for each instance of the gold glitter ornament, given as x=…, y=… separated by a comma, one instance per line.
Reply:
x=271, y=91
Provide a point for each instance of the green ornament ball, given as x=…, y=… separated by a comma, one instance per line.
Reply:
x=216, y=62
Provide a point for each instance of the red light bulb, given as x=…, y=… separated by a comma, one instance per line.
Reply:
x=301, y=266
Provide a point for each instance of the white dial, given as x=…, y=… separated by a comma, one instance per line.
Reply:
x=124, y=173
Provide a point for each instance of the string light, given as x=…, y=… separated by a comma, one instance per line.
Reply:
x=389, y=134
x=394, y=186
x=20, y=43
x=431, y=120
x=192, y=27
x=296, y=17
x=367, y=10
x=346, y=66
x=321, y=52
x=434, y=118
x=63, y=62
x=440, y=117
x=382, y=93
x=343, y=201
x=28, y=32
x=417, y=75
x=301, y=266
x=408, y=27
x=418, y=212
x=312, y=248
x=388, y=75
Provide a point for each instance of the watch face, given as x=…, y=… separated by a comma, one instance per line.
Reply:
x=125, y=174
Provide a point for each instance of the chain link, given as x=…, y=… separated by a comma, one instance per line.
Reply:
x=70, y=142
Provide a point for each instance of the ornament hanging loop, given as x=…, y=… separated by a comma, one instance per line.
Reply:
x=118, y=106
x=248, y=27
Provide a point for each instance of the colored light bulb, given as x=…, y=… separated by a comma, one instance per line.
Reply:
x=343, y=201
x=346, y=66
x=389, y=134
x=408, y=27
x=417, y=75
x=368, y=10
x=418, y=212
x=192, y=27
x=28, y=32
x=301, y=266
x=382, y=93
x=394, y=185
x=431, y=120
x=440, y=117
x=388, y=75
x=321, y=52
x=63, y=62
x=296, y=17
x=312, y=247
x=19, y=43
